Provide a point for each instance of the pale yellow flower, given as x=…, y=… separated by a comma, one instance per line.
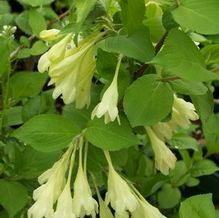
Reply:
x=49, y=35
x=119, y=194
x=83, y=202
x=108, y=105
x=71, y=69
x=164, y=158
x=52, y=182
x=146, y=210
x=183, y=112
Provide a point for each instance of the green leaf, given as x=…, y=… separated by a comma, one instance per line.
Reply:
x=183, y=59
x=83, y=8
x=5, y=59
x=188, y=87
x=211, y=54
x=39, y=47
x=198, y=15
x=145, y=98
x=26, y=84
x=199, y=206
x=211, y=132
x=132, y=14
x=203, y=168
x=36, y=21
x=47, y=132
x=168, y=197
x=110, y=136
x=35, y=3
x=12, y=116
x=5, y=7
x=137, y=45
x=13, y=196
x=30, y=163
x=204, y=104
x=183, y=141
x=23, y=23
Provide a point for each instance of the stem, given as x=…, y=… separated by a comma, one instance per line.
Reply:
x=166, y=79
x=115, y=78
x=144, y=67
x=108, y=158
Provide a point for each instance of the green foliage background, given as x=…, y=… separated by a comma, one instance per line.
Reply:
x=169, y=46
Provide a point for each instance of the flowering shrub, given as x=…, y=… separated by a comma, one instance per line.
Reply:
x=108, y=109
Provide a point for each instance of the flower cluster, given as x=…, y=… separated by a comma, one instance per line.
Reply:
x=70, y=68
x=55, y=199
x=182, y=114
x=56, y=189
x=125, y=199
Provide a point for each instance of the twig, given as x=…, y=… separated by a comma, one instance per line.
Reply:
x=144, y=67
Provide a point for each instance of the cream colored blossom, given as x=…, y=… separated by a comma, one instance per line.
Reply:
x=71, y=69
x=83, y=202
x=183, y=112
x=52, y=182
x=119, y=194
x=146, y=210
x=108, y=105
x=163, y=130
x=164, y=158
x=49, y=35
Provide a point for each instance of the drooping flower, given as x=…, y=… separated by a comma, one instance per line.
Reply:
x=52, y=182
x=146, y=210
x=83, y=202
x=119, y=194
x=64, y=207
x=164, y=158
x=71, y=69
x=108, y=104
x=49, y=35
x=183, y=112
x=163, y=130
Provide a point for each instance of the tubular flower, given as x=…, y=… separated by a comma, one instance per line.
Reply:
x=163, y=130
x=119, y=194
x=146, y=210
x=83, y=202
x=164, y=158
x=71, y=69
x=52, y=182
x=108, y=104
x=64, y=207
x=49, y=35
x=183, y=112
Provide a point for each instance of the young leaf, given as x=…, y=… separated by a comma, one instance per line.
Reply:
x=204, y=167
x=148, y=100
x=181, y=57
x=47, y=132
x=198, y=15
x=138, y=45
x=168, y=197
x=110, y=136
x=13, y=196
x=199, y=206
